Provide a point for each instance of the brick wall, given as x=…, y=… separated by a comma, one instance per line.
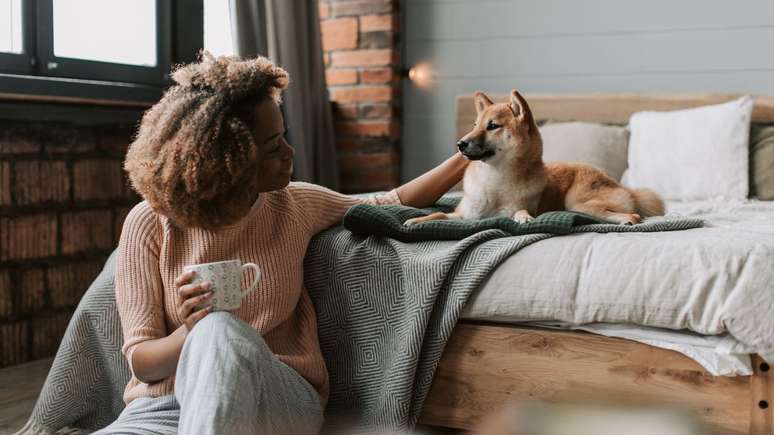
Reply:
x=63, y=198
x=360, y=40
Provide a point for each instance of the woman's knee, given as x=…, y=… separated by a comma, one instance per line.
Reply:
x=222, y=329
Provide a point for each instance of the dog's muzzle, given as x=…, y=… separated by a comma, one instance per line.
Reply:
x=470, y=154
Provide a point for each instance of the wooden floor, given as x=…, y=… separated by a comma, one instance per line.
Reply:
x=19, y=388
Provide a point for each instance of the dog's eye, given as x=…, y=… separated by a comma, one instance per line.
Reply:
x=491, y=125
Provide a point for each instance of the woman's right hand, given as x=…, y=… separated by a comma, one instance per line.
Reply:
x=192, y=296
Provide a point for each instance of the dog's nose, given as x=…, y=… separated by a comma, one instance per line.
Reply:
x=461, y=145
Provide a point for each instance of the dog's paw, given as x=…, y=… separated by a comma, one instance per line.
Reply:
x=522, y=217
x=412, y=221
x=629, y=219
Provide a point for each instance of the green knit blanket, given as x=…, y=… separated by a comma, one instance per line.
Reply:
x=387, y=221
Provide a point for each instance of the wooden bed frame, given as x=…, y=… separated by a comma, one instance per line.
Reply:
x=485, y=365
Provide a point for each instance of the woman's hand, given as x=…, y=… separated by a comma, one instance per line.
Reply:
x=425, y=190
x=191, y=297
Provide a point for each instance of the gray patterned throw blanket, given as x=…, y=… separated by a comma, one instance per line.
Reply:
x=385, y=311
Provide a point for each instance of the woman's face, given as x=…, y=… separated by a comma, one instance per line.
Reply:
x=274, y=152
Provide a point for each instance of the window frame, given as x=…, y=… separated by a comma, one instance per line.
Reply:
x=50, y=65
x=24, y=62
x=26, y=76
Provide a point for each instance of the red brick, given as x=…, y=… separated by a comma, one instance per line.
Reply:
x=361, y=7
x=63, y=138
x=41, y=181
x=372, y=128
x=67, y=283
x=97, y=179
x=369, y=180
x=5, y=183
x=364, y=144
x=18, y=137
x=327, y=59
x=6, y=301
x=376, y=75
x=115, y=139
x=376, y=111
x=24, y=237
x=335, y=77
x=376, y=57
x=345, y=112
x=86, y=231
x=339, y=34
x=128, y=190
x=357, y=94
x=354, y=161
x=372, y=23
x=118, y=222
x=325, y=10
x=47, y=333
x=32, y=289
x=380, y=39
x=13, y=343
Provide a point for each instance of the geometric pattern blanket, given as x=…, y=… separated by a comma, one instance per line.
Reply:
x=385, y=311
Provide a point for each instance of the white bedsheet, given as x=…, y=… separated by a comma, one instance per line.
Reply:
x=717, y=282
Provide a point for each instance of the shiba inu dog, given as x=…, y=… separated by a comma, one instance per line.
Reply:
x=507, y=176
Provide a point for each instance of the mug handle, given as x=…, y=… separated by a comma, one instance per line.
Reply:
x=255, y=281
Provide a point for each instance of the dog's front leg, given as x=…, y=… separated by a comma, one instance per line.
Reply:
x=433, y=217
x=523, y=217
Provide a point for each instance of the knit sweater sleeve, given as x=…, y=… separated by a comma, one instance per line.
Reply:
x=322, y=208
x=139, y=289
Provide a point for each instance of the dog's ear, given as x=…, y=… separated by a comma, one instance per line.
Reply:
x=519, y=107
x=482, y=101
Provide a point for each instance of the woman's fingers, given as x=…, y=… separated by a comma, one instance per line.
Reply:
x=199, y=315
x=191, y=303
x=184, y=278
x=190, y=290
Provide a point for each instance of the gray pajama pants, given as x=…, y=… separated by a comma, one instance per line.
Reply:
x=228, y=381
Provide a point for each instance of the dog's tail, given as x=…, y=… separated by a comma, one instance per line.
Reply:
x=647, y=203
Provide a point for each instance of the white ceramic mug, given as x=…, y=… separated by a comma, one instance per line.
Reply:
x=225, y=278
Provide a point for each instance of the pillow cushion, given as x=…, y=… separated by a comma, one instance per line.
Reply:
x=601, y=146
x=762, y=162
x=691, y=154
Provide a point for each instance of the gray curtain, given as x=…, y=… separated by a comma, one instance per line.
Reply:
x=288, y=32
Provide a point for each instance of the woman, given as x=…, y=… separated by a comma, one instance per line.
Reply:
x=213, y=167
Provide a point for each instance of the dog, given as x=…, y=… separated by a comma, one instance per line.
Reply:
x=507, y=176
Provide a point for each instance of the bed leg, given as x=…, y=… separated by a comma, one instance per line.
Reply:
x=762, y=388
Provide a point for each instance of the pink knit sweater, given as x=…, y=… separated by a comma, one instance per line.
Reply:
x=274, y=234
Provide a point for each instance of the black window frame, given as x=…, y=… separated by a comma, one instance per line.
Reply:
x=29, y=77
x=55, y=66
x=24, y=62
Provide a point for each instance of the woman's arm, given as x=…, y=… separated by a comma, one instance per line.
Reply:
x=321, y=207
x=425, y=190
x=154, y=360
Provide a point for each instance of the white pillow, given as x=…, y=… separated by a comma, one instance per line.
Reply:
x=601, y=146
x=690, y=154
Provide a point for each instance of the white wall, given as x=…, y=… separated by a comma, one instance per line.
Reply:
x=574, y=46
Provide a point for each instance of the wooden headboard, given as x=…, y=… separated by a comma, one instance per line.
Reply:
x=608, y=108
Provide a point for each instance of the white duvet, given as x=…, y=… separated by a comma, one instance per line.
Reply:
x=714, y=281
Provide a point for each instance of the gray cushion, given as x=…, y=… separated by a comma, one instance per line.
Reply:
x=762, y=162
x=602, y=146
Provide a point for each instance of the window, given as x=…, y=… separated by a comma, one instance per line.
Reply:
x=14, y=45
x=217, y=27
x=113, y=40
x=10, y=26
x=125, y=48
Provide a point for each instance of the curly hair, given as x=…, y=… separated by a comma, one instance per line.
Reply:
x=194, y=158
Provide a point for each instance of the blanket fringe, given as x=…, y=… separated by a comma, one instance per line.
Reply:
x=32, y=428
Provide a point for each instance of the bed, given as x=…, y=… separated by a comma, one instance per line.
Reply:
x=490, y=360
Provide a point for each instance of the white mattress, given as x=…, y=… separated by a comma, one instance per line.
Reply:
x=707, y=293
